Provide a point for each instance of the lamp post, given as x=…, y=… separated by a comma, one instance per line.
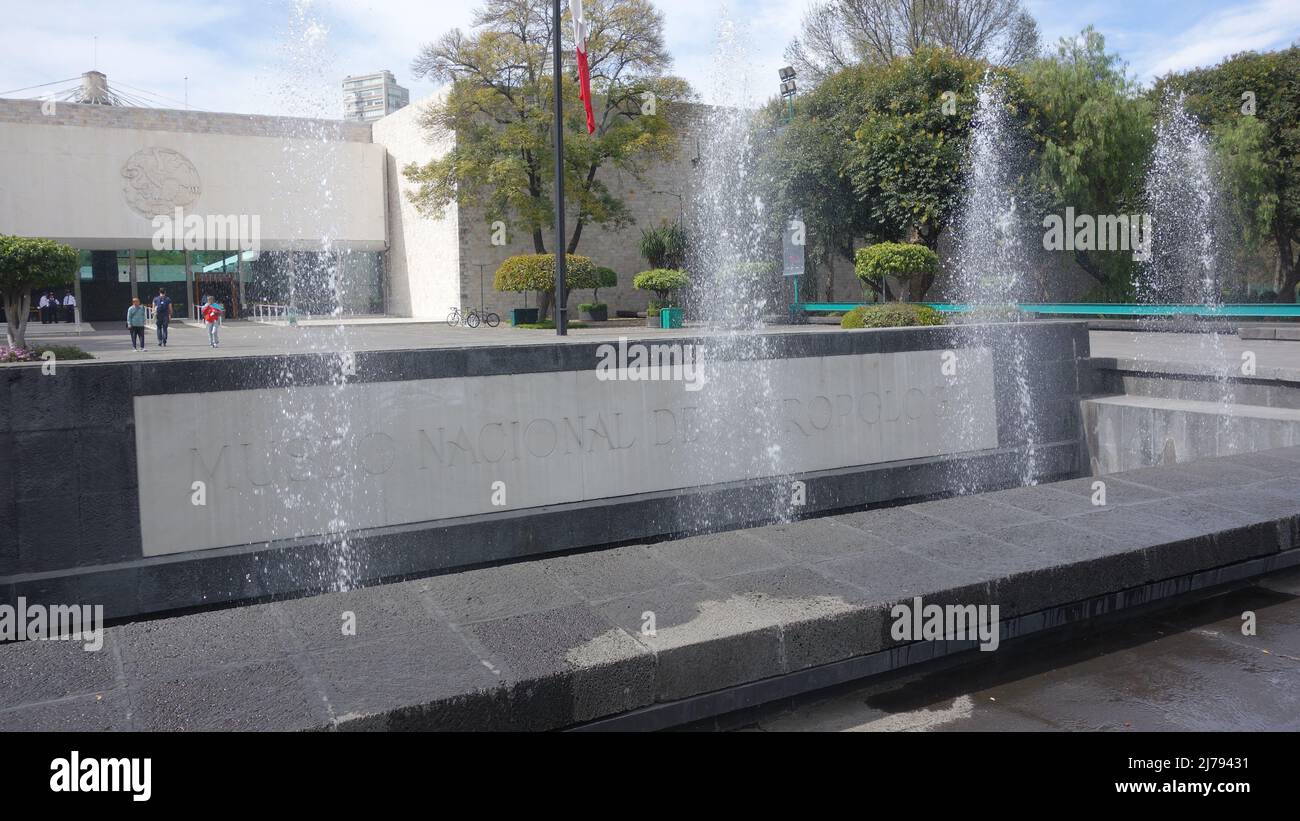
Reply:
x=788, y=89
x=794, y=258
x=561, y=317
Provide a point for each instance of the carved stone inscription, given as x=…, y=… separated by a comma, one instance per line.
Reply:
x=244, y=467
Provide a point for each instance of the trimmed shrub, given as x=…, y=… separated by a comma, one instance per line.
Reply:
x=663, y=281
x=536, y=272
x=904, y=261
x=605, y=278
x=891, y=315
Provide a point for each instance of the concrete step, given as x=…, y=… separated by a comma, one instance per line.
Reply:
x=1130, y=432
x=1288, y=332
x=639, y=631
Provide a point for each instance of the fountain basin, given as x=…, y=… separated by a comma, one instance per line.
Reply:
x=864, y=422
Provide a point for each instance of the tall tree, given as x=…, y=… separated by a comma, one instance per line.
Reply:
x=804, y=168
x=1095, y=131
x=1251, y=101
x=499, y=109
x=907, y=157
x=836, y=34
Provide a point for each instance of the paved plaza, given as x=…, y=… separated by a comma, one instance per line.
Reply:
x=1188, y=668
x=189, y=340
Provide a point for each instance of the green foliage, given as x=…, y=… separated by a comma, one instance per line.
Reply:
x=605, y=278
x=536, y=272
x=1094, y=128
x=1242, y=146
x=499, y=104
x=588, y=306
x=901, y=260
x=891, y=315
x=663, y=281
x=804, y=168
x=665, y=246
x=27, y=263
x=1260, y=152
x=906, y=156
x=63, y=352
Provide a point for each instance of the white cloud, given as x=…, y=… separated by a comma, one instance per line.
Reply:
x=1255, y=26
x=249, y=55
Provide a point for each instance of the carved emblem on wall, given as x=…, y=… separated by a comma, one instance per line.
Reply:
x=158, y=181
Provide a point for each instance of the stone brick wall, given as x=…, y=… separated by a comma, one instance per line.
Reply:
x=661, y=193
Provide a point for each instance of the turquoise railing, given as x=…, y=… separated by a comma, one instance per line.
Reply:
x=1094, y=308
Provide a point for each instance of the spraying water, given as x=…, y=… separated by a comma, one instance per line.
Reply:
x=314, y=428
x=993, y=266
x=732, y=254
x=1187, y=256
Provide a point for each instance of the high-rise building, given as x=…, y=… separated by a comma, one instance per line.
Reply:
x=370, y=96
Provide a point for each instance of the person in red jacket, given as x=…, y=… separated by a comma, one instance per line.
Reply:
x=212, y=313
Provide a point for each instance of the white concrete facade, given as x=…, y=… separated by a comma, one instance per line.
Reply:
x=67, y=173
x=423, y=259
x=93, y=176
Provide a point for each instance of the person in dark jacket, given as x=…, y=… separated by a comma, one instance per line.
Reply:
x=162, y=315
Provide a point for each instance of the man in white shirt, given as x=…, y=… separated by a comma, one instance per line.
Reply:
x=45, y=309
x=69, y=307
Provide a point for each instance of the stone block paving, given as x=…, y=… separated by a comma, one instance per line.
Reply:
x=559, y=641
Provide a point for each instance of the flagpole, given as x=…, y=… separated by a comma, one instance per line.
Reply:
x=561, y=314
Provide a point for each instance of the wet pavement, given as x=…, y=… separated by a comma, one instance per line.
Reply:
x=1183, y=668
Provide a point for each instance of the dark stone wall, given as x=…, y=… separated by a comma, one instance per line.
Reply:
x=69, y=515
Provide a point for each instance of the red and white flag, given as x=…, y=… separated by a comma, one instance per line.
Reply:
x=584, y=70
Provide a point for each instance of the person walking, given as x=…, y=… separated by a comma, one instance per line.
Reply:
x=69, y=307
x=212, y=314
x=162, y=315
x=135, y=320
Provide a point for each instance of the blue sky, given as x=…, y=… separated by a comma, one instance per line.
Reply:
x=288, y=56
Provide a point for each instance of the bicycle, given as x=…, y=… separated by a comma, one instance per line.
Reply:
x=473, y=318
